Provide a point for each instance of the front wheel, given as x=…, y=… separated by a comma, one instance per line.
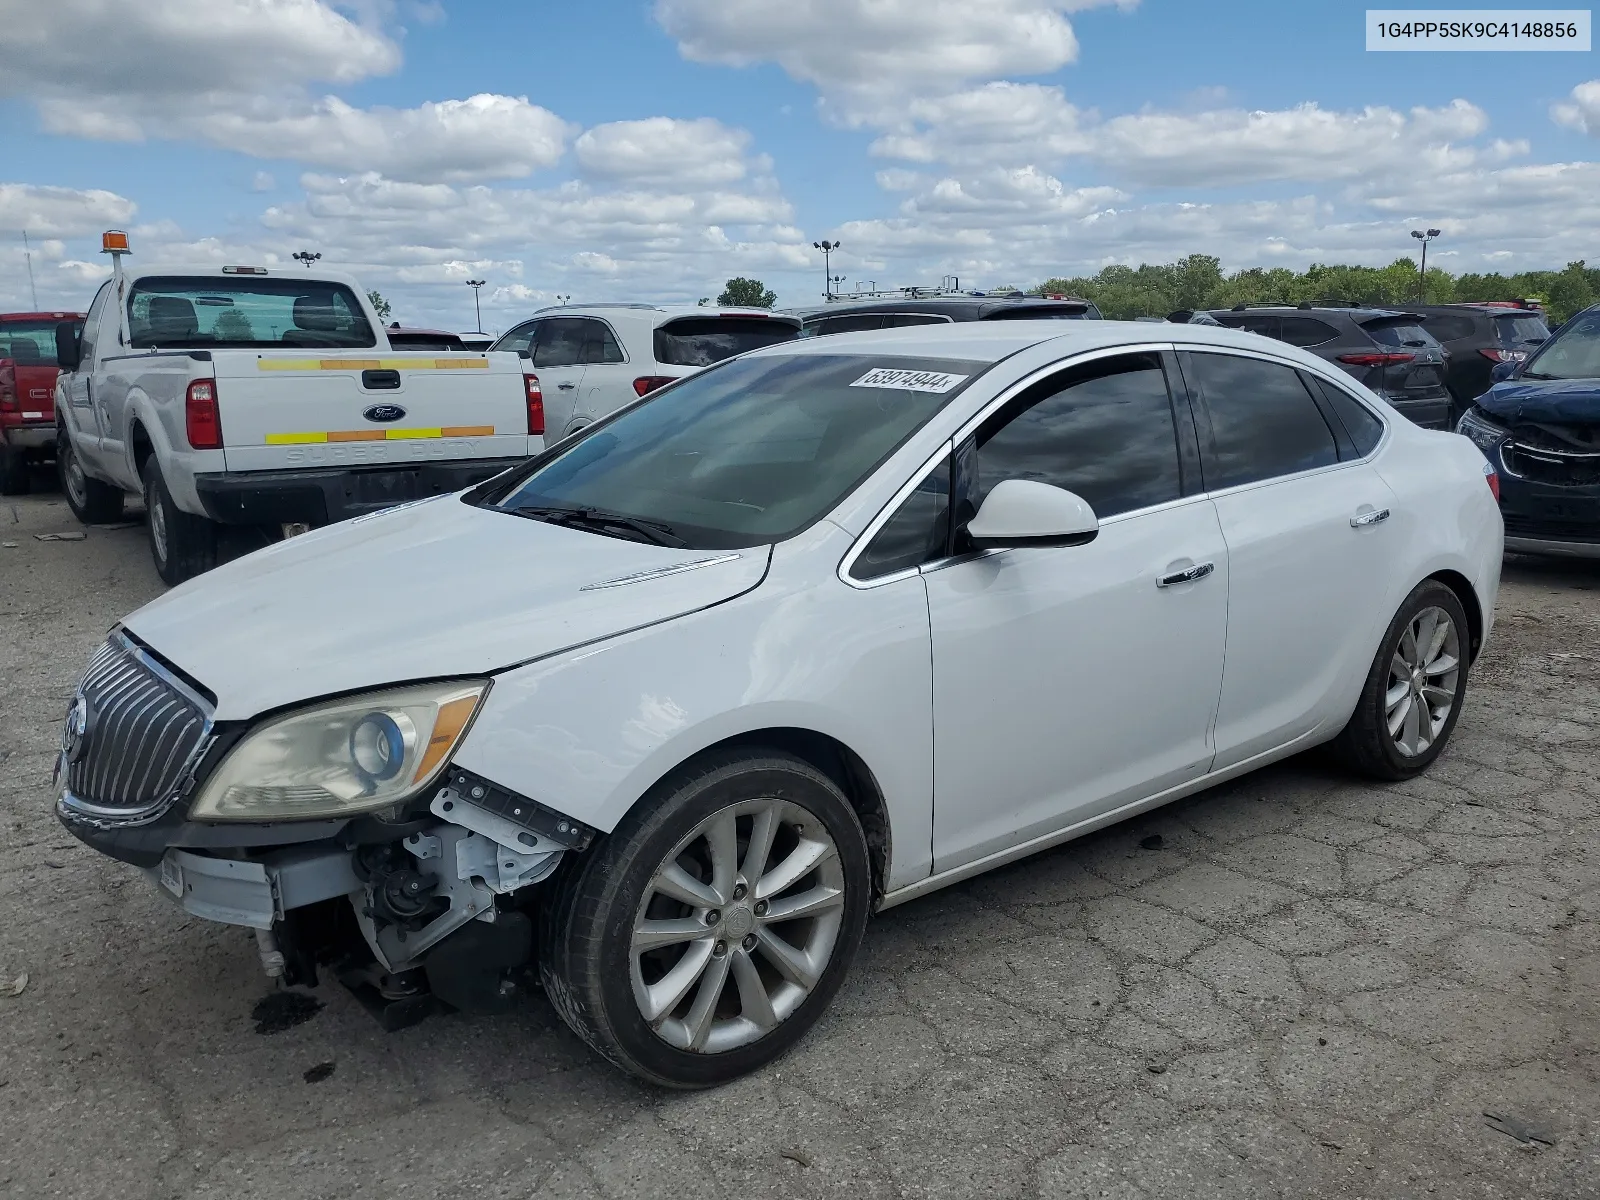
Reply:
x=711, y=929
x=1414, y=690
x=92, y=502
x=182, y=544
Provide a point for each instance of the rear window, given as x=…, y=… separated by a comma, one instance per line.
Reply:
x=1398, y=333
x=30, y=343
x=701, y=341
x=245, y=311
x=424, y=341
x=1521, y=329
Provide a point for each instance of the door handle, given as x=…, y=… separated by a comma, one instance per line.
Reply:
x=565, y=387
x=1189, y=575
x=1362, y=520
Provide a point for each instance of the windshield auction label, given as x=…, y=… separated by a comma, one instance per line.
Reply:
x=910, y=381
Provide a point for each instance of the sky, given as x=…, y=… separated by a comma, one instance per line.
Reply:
x=651, y=149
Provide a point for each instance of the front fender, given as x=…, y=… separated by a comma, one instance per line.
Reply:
x=589, y=731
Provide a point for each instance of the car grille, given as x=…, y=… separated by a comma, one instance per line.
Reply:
x=1561, y=469
x=141, y=734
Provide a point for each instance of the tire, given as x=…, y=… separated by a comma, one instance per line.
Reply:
x=1366, y=743
x=182, y=544
x=15, y=479
x=92, y=502
x=600, y=987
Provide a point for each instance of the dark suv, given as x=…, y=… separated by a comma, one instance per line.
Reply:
x=850, y=317
x=1476, y=337
x=1389, y=351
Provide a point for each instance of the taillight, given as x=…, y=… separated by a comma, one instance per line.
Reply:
x=646, y=384
x=535, y=394
x=8, y=384
x=1500, y=356
x=1375, y=360
x=201, y=421
x=1492, y=478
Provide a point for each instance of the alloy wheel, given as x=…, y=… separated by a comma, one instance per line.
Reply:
x=1424, y=675
x=737, y=925
x=76, y=488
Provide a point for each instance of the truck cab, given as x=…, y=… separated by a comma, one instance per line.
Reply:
x=27, y=390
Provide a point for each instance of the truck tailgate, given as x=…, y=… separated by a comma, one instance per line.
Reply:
x=286, y=410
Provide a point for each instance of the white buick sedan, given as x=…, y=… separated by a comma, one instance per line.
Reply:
x=661, y=716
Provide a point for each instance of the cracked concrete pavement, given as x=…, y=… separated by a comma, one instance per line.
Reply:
x=1313, y=987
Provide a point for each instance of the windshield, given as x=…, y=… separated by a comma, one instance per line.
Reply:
x=30, y=343
x=746, y=454
x=1573, y=353
x=245, y=311
x=701, y=341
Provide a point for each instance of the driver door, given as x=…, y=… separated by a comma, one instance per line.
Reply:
x=1070, y=681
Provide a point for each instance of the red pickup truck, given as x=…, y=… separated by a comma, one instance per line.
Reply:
x=27, y=391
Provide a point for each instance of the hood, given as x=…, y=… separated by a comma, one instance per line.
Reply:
x=438, y=588
x=1558, y=401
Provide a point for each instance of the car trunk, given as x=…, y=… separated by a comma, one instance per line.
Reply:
x=1413, y=366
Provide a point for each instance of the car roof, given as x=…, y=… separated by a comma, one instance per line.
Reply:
x=655, y=314
x=1331, y=309
x=218, y=271
x=991, y=341
x=945, y=305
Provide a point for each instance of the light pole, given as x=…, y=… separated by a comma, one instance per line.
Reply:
x=305, y=257
x=827, y=249
x=1422, y=275
x=477, y=286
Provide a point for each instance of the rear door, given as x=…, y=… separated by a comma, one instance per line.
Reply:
x=558, y=347
x=1310, y=558
x=286, y=410
x=607, y=374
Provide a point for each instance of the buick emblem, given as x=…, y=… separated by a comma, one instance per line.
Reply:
x=384, y=412
x=75, y=734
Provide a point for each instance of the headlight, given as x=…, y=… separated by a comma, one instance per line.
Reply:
x=1485, y=434
x=341, y=758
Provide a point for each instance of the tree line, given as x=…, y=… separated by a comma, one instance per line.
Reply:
x=1198, y=281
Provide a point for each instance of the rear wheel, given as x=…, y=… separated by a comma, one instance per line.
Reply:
x=711, y=929
x=14, y=476
x=1414, y=690
x=182, y=544
x=92, y=502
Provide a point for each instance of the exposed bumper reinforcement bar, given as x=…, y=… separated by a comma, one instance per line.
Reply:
x=254, y=892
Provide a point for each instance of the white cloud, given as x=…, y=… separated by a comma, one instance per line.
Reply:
x=860, y=53
x=999, y=122
x=1582, y=110
x=60, y=211
x=700, y=152
x=263, y=182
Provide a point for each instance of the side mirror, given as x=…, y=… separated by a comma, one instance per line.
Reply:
x=68, y=346
x=1024, y=512
x=1503, y=370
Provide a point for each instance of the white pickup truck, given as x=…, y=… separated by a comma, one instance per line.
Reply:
x=240, y=395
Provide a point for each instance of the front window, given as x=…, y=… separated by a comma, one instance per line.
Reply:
x=1574, y=353
x=245, y=312
x=30, y=343
x=746, y=454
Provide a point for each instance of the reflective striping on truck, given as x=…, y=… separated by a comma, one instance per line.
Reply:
x=378, y=435
x=371, y=364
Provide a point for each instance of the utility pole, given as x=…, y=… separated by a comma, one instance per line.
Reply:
x=1422, y=274
x=477, y=286
x=305, y=257
x=27, y=251
x=827, y=249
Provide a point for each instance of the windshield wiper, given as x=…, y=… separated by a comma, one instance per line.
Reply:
x=1535, y=375
x=657, y=532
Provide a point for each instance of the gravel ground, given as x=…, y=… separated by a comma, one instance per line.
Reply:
x=1310, y=986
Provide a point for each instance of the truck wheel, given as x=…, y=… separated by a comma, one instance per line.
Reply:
x=14, y=478
x=709, y=931
x=1414, y=691
x=182, y=544
x=92, y=502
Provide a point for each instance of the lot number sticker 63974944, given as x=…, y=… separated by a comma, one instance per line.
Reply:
x=909, y=381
